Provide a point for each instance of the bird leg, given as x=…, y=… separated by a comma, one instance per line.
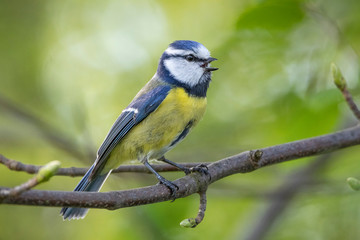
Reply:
x=172, y=187
x=186, y=170
x=202, y=168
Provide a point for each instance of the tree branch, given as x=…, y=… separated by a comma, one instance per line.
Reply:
x=242, y=163
x=43, y=175
x=77, y=172
x=193, y=222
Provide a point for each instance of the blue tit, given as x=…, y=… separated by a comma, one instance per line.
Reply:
x=159, y=117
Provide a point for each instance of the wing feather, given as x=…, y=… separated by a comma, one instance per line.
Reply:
x=138, y=110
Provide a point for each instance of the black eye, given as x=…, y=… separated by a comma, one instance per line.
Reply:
x=190, y=58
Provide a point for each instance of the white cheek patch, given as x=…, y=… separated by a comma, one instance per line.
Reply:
x=184, y=71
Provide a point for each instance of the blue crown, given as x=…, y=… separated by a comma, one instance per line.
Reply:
x=185, y=45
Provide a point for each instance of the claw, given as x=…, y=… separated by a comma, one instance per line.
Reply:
x=187, y=171
x=202, y=168
x=171, y=186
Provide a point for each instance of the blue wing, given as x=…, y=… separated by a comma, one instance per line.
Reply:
x=137, y=111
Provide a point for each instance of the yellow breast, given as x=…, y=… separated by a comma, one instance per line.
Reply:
x=156, y=132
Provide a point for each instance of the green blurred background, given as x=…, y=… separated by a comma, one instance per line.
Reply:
x=68, y=68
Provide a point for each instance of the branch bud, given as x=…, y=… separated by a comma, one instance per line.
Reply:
x=47, y=171
x=188, y=223
x=353, y=183
x=339, y=79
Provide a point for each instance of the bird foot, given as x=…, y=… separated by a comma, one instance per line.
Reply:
x=202, y=169
x=171, y=186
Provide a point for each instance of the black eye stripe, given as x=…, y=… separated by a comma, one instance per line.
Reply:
x=196, y=59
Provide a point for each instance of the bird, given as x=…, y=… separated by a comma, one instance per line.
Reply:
x=159, y=117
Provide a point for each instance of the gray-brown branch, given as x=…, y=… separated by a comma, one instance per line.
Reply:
x=77, y=172
x=242, y=163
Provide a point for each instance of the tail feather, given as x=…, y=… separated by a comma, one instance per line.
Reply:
x=85, y=185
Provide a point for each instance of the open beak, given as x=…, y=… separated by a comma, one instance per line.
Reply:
x=209, y=60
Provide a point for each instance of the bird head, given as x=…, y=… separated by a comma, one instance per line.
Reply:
x=187, y=63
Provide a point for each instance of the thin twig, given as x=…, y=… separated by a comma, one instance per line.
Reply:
x=20, y=188
x=76, y=172
x=193, y=222
x=193, y=183
x=341, y=84
x=43, y=175
x=202, y=208
x=350, y=101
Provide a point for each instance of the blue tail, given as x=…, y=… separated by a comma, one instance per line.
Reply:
x=85, y=185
